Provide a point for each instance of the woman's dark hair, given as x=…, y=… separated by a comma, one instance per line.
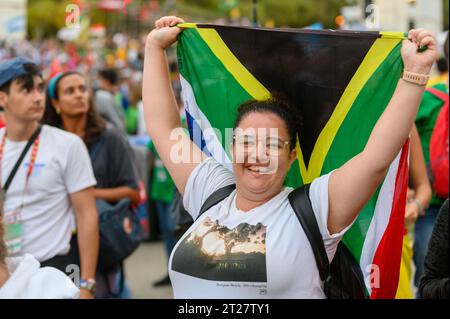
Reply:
x=110, y=75
x=95, y=125
x=278, y=106
x=442, y=64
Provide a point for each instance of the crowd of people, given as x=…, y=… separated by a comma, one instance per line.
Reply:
x=65, y=118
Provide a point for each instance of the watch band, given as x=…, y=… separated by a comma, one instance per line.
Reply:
x=416, y=78
x=88, y=284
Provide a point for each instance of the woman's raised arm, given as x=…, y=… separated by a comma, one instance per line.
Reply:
x=352, y=185
x=162, y=117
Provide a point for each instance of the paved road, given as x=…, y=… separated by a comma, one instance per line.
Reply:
x=147, y=264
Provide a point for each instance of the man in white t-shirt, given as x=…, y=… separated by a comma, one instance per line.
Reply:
x=54, y=179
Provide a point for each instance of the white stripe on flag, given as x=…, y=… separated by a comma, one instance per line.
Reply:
x=212, y=142
x=379, y=221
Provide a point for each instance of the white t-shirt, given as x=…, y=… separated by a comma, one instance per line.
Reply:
x=28, y=281
x=62, y=167
x=262, y=253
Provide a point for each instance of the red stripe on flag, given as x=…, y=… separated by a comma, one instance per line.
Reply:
x=389, y=251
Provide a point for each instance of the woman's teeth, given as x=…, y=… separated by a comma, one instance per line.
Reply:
x=259, y=169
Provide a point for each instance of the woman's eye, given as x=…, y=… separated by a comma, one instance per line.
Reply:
x=249, y=142
x=271, y=146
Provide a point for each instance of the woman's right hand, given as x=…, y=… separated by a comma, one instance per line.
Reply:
x=165, y=33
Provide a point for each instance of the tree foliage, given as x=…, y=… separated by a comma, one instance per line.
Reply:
x=45, y=17
x=292, y=13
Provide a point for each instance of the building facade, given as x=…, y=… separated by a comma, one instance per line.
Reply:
x=13, y=20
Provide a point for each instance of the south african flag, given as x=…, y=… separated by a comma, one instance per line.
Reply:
x=342, y=81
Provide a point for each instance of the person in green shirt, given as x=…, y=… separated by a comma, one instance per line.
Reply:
x=425, y=121
x=131, y=120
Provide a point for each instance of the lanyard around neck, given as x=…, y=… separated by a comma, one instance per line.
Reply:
x=32, y=158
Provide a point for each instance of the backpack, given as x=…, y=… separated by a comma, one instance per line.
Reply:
x=180, y=217
x=343, y=278
x=439, y=154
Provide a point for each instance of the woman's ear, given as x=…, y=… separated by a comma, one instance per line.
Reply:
x=56, y=106
x=292, y=156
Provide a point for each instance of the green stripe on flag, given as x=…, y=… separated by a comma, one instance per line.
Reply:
x=377, y=54
x=352, y=137
x=217, y=93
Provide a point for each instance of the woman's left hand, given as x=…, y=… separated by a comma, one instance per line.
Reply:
x=414, y=60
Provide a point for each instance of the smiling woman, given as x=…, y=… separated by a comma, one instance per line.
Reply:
x=216, y=257
x=262, y=168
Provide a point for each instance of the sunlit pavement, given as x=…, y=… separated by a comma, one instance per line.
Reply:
x=147, y=265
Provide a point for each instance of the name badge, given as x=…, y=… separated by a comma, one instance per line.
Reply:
x=13, y=232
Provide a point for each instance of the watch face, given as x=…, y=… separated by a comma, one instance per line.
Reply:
x=88, y=285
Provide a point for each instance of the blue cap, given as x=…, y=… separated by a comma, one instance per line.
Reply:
x=13, y=68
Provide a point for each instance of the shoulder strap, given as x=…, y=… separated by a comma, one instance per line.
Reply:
x=300, y=202
x=216, y=197
x=21, y=157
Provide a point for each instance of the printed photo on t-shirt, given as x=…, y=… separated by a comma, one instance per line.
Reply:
x=215, y=252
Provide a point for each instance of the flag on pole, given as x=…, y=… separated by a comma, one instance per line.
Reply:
x=341, y=80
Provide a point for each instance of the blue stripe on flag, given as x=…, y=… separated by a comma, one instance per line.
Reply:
x=196, y=134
